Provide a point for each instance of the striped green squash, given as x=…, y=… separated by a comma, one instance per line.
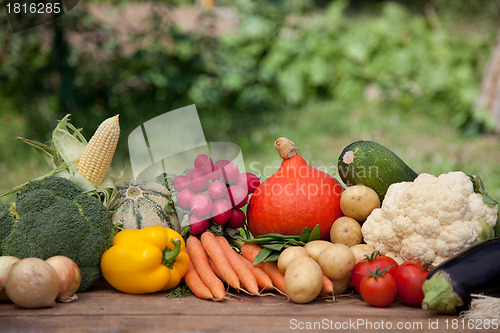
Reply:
x=143, y=204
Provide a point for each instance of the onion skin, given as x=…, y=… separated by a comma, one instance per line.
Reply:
x=69, y=277
x=32, y=283
x=5, y=263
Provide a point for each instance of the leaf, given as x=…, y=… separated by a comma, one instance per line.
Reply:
x=274, y=246
x=478, y=185
x=293, y=242
x=497, y=225
x=315, y=234
x=46, y=151
x=274, y=256
x=487, y=230
x=262, y=256
x=304, y=235
x=272, y=235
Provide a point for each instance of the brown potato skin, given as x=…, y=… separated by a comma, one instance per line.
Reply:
x=337, y=261
x=358, y=201
x=314, y=248
x=288, y=255
x=346, y=230
x=303, y=280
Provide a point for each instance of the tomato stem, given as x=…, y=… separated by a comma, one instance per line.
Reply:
x=377, y=273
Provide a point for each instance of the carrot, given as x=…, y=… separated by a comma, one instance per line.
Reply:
x=220, y=260
x=250, y=251
x=200, y=262
x=263, y=280
x=195, y=284
x=214, y=268
x=245, y=275
x=327, y=288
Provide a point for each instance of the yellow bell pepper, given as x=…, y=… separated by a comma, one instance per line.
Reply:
x=145, y=260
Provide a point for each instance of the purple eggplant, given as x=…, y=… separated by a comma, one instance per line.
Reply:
x=475, y=270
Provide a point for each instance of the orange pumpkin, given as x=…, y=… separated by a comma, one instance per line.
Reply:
x=295, y=197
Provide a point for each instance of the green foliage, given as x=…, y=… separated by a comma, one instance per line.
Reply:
x=283, y=53
x=54, y=217
x=284, y=56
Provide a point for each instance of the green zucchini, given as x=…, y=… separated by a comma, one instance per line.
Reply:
x=371, y=164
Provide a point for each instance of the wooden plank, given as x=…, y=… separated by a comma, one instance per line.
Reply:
x=105, y=309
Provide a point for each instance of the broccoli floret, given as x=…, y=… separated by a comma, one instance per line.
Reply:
x=55, y=217
x=7, y=221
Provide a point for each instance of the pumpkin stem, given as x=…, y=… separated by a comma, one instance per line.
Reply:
x=286, y=148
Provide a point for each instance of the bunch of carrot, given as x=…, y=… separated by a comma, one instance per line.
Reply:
x=214, y=262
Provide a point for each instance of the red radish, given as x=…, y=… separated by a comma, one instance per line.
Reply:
x=237, y=219
x=249, y=181
x=217, y=190
x=181, y=182
x=214, y=176
x=237, y=195
x=230, y=173
x=198, y=224
x=201, y=159
x=220, y=164
x=208, y=167
x=221, y=211
x=184, y=198
x=198, y=180
x=201, y=204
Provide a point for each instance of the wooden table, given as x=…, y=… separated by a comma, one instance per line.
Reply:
x=102, y=309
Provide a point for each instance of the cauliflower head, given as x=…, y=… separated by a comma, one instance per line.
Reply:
x=430, y=219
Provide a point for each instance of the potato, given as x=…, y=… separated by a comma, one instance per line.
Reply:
x=358, y=201
x=314, y=248
x=360, y=250
x=340, y=286
x=336, y=261
x=303, y=279
x=346, y=230
x=288, y=255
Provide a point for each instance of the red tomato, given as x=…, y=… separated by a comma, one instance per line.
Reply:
x=364, y=267
x=379, y=291
x=409, y=278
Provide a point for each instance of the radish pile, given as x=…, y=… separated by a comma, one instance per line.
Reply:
x=214, y=192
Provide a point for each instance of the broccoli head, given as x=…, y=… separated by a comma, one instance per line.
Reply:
x=53, y=216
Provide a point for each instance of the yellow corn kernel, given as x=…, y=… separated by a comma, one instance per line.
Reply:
x=96, y=159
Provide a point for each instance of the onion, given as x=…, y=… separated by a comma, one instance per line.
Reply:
x=69, y=277
x=32, y=283
x=5, y=263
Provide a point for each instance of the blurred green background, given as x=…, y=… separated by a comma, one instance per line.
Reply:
x=405, y=74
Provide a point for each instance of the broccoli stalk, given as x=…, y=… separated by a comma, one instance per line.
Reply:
x=53, y=216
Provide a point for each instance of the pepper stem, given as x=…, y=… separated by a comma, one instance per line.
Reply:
x=286, y=148
x=169, y=255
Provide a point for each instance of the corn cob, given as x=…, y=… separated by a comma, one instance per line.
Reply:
x=96, y=159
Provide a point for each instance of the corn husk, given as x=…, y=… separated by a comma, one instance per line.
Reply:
x=62, y=154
